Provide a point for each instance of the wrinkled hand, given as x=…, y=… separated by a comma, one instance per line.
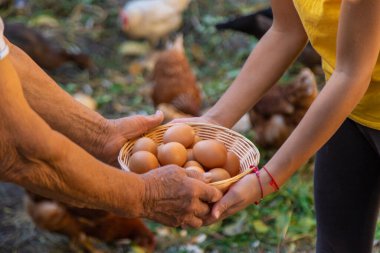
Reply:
x=119, y=131
x=172, y=198
x=242, y=194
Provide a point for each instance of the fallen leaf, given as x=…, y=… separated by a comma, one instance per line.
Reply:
x=260, y=226
x=44, y=20
x=135, y=68
x=85, y=100
x=132, y=48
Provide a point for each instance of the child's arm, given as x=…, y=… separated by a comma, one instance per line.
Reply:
x=273, y=54
x=359, y=23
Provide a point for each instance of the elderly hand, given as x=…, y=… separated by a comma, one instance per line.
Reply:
x=172, y=198
x=119, y=131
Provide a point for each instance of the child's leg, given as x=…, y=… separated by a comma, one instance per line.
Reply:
x=347, y=192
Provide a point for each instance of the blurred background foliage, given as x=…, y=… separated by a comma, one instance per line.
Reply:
x=283, y=222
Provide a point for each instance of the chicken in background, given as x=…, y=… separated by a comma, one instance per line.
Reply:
x=276, y=115
x=174, y=82
x=258, y=23
x=81, y=224
x=44, y=52
x=152, y=19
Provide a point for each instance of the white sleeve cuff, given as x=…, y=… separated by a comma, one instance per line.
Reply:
x=4, y=52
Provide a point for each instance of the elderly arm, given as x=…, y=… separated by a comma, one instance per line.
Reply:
x=46, y=162
x=100, y=137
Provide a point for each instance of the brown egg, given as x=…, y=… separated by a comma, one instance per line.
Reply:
x=159, y=147
x=210, y=153
x=217, y=174
x=190, y=155
x=172, y=153
x=195, y=168
x=142, y=161
x=145, y=144
x=192, y=163
x=180, y=133
x=232, y=164
x=196, y=139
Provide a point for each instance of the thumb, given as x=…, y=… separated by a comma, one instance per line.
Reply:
x=222, y=206
x=145, y=123
x=154, y=119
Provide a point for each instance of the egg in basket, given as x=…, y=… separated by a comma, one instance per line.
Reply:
x=224, y=154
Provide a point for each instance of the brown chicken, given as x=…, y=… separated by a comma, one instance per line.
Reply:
x=276, y=115
x=174, y=81
x=43, y=51
x=80, y=224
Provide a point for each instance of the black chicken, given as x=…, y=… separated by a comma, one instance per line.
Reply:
x=258, y=23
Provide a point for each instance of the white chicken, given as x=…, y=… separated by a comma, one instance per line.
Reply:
x=152, y=19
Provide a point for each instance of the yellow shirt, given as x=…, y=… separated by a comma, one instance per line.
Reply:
x=320, y=20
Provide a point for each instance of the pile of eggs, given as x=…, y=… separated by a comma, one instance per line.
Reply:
x=182, y=147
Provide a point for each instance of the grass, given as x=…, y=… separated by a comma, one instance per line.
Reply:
x=283, y=222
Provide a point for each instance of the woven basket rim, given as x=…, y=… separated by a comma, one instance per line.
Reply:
x=200, y=125
x=191, y=124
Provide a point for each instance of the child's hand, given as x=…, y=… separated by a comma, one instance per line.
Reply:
x=239, y=196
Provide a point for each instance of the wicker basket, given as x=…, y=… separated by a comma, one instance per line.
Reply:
x=235, y=142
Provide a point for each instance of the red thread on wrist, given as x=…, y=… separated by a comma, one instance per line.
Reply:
x=257, y=173
x=272, y=181
x=261, y=186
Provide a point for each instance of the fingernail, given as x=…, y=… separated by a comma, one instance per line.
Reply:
x=217, y=214
x=207, y=176
x=158, y=112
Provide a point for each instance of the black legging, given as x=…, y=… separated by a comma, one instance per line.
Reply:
x=347, y=190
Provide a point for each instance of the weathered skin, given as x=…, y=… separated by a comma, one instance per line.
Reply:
x=48, y=144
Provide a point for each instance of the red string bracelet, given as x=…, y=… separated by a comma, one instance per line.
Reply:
x=257, y=173
x=272, y=181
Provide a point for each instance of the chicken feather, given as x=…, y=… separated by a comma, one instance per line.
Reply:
x=152, y=19
x=174, y=81
x=279, y=111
